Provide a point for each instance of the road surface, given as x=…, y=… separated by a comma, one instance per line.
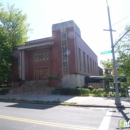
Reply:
x=23, y=116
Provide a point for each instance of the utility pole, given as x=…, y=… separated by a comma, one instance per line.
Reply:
x=117, y=97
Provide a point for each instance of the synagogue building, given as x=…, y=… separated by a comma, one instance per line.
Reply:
x=64, y=55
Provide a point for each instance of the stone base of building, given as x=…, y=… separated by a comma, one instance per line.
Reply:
x=73, y=80
x=77, y=80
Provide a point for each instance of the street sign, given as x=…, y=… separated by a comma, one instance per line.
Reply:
x=106, y=52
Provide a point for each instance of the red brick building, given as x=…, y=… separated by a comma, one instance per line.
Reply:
x=63, y=55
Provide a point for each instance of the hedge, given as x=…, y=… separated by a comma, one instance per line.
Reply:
x=73, y=91
x=4, y=91
x=98, y=92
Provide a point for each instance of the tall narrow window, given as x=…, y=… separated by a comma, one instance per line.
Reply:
x=93, y=68
x=91, y=65
x=88, y=63
x=79, y=51
x=84, y=61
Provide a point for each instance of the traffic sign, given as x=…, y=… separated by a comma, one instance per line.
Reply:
x=106, y=52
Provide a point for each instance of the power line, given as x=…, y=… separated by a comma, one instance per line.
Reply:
x=121, y=20
x=122, y=26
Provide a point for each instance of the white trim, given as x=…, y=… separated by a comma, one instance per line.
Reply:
x=36, y=45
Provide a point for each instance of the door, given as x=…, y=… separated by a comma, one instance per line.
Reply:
x=41, y=73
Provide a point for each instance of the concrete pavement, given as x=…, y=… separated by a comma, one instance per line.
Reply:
x=79, y=100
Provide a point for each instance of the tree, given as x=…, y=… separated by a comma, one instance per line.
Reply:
x=13, y=32
x=123, y=50
x=13, y=25
x=5, y=58
x=107, y=65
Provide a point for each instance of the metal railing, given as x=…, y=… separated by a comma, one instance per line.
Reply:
x=36, y=82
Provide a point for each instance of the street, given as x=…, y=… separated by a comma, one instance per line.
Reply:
x=23, y=116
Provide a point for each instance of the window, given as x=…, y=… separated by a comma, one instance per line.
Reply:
x=63, y=36
x=19, y=66
x=79, y=52
x=88, y=63
x=46, y=55
x=91, y=65
x=41, y=55
x=84, y=61
x=93, y=68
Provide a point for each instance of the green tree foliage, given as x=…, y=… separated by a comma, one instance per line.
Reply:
x=13, y=32
x=5, y=58
x=107, y=64
x=123, y=51
x=13, y=25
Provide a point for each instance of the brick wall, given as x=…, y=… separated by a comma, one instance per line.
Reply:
x=71, y=48
x=80, y=44
x=56, y=54
x=30, y=64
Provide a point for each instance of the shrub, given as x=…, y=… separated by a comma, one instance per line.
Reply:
x=4, y=91
x=83, y=92
x=17, y=80
x=74, y=91
x=94, y=91
x=124, y=95
x=111, y=95
x=90, y=88
x=53, y=78
x=104, y=94
x=106, y=90
x=98, y=92
x=123, y=92
x=66, y=91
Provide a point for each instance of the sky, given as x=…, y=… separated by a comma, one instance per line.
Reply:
x=90, y=16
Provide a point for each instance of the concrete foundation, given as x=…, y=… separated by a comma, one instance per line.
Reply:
x=73, y=80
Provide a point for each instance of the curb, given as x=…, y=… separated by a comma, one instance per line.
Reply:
x=75, y=105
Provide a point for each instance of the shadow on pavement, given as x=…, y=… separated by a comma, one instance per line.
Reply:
x=124, y=114
x=36, y=101
x=125, y=99
x=32, y=106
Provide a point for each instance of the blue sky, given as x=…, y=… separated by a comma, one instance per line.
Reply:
x=89, y=15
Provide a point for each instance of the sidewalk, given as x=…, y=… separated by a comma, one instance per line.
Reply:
x=79, y=100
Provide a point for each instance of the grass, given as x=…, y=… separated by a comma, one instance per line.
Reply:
x=68, y=103
x=90, y=94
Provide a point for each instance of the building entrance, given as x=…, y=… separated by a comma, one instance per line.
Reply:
x=41, y=73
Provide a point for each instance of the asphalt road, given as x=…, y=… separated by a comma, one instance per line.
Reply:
x=22, y=116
